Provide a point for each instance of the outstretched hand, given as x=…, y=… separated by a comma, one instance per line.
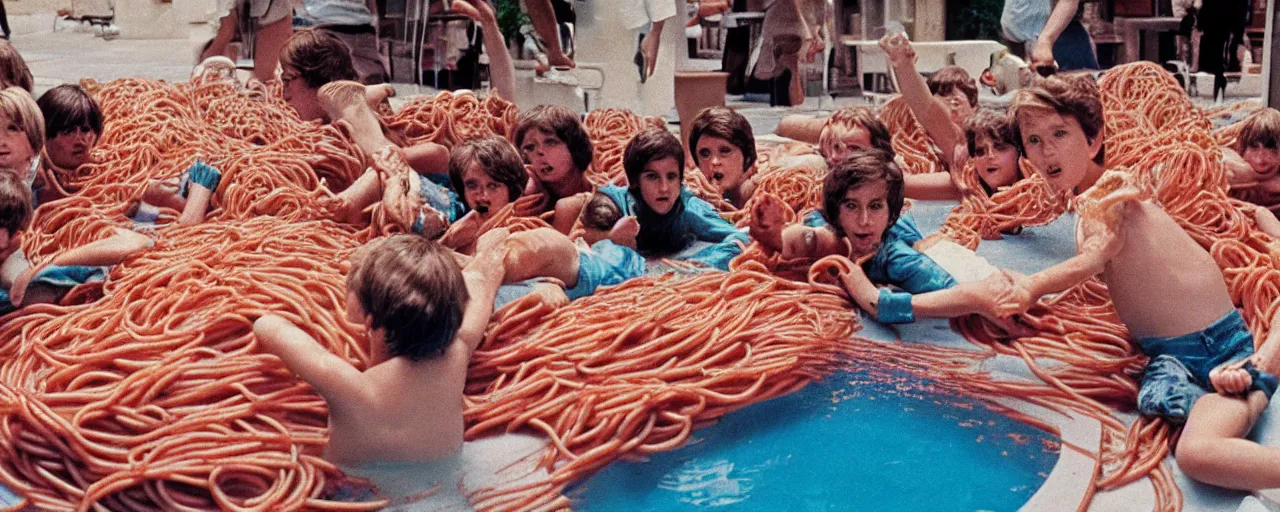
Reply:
x=767, y=220
x=898, y=49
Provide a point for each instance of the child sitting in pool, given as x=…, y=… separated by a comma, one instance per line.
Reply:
x=556, y=147
x=73, y=124
x=424, y=317
x=1203, y=368
x=862, y=218
x=20, y=282
x=670, y=217
x=1253, y=162
x=490, y=175
x=724, y=149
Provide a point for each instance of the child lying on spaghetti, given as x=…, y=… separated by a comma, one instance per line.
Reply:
x=861, y=218
x=1166, y=288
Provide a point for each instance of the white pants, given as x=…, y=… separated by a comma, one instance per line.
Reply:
x=638, y=13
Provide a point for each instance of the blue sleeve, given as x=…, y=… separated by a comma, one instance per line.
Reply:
x=905, y=229
x=894, y=307
x=621, y=197
x=815, y=220
x=911, y=271
x=707, y=225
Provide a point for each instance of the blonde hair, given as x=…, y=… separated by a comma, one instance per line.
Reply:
x=18, y=105
x=1262, y=129
x=845, y=120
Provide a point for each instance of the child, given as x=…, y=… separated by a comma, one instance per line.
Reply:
x=489, y=174
x=310, y=59
x=1187, y=325
x=993, y=149
x=601, y=219
x=547, y=253
x=73, y=124
x=851, y=129
x=424, y=317
x=20, y=282
x=22, y=141
x=555, y=145
x=1253, y=163
x=189, y=195
x=724, y=149
x=669, y=216
x=13, y=69
x=861, y=219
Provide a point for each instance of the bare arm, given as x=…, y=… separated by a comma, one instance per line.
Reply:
x=341, y=384
x=931, y=186
x=568, y=210
x=1059, y=18
x=1267, y=222
x=105, y=252
x=928, y=110
x=428, y=158
x=501, y=70
x=483, y=275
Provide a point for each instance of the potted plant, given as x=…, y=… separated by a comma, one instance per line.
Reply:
x=510, y=19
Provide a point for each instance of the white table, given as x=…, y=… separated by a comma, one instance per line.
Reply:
x=973, y=56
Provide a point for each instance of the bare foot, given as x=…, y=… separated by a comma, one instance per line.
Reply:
x=342, y=209
x=625, y=231
x=550, y=294
x=560, y=60
x=164, y=193
x=376, y=94
x=1231, y=378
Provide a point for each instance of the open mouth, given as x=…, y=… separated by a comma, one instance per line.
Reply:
x=546, y=171
x=482, y=209
x=862, y=237
x=1053, y=171
x=717, y=177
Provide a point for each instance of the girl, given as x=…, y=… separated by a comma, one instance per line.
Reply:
x=557, y=150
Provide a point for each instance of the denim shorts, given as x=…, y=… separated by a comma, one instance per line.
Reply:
x=1178, y=372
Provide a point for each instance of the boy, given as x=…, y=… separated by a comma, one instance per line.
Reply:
x=861, y=219
x=1253, y=163
x=489, y=174
x=20, y=282
x=556, y=147
x=72, y=124
x=424, y=317
x=1166, y=289
x=993, y=149
x=724, y=149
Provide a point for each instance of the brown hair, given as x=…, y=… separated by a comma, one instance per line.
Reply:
x=13, y=70
x=993, y=125
x=18, y=105
x=952, y=78
x=497, y=157
x=727, y=124
x=412, y=288
x=1262, y=129
x=67, y=107
x=846, y=119
x=319, y=57
x=1069, y=94
x=859, y=170
x=15, y=202
x=564, y=124
x=600, y=213
x=651, y=144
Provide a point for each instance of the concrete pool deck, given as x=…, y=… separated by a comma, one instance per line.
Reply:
x=67, y=55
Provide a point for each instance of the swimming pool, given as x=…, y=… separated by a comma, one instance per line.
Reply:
x=857, y=441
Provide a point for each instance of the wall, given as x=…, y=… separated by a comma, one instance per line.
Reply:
x=151, y=19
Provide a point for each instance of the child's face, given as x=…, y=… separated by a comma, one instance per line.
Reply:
x=957, y=106
x=548, y=155
x=855, y=139
x=721, y=162
x=15, y=149
x=71, y=148
x=660, y=184
x=1057, y=147
x=300, y=96
x=482, y=193
x=1263, y=160
x=864, y=216
x=996, y=162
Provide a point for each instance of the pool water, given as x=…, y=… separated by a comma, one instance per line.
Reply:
x=856, y=441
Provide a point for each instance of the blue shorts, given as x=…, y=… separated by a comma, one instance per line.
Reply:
x=435, y=192
x=605, y=264
x=58, y=277
x=1178, y=372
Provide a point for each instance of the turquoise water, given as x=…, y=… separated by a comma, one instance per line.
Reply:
x=853, y=442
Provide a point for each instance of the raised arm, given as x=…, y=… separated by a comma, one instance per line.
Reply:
x=501, y=71
x=928, y=110
x=483, y=275
x=340, y=383
x=1059, y=18
x=931, y=186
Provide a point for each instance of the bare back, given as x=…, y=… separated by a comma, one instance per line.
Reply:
x=416, y=415
x=1162, y=282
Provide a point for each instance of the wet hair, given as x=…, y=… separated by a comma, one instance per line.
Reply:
x=727, y=124
x=15, y=202
x=953, y=78
x=859, y=170
x=600, y=213
x=497, y=157
x=319, y=57
x=20, y=108
x=994, y=126
x=564, y=124
x=68, y=107
x=1068, y=94
x=1262, y=129
x=845, y=120
x=659, y=233
x=13, y=70
x=412, y=288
